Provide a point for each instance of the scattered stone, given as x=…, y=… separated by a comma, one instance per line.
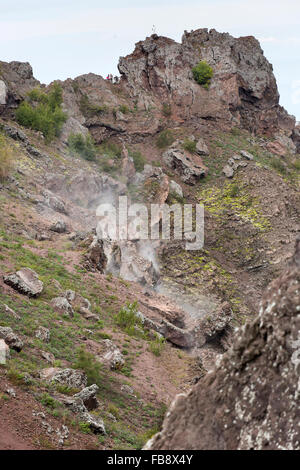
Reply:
x=201, y=148
x=62, y=434
x=43, y=334
x=88, y=315
x=49, y=357
x=11, y=339
x=128, y=390
x=247, y=155
x=55, y=202
x=25, y=281
x=11, y=392
x=43, y=236
x=112, y=356
x=228, y=171
x=62, y=305
x=59, y=227
x=9, y=311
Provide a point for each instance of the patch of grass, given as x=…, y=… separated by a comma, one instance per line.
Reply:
x=127, y=316
x=6, y=158
x=189, y=145
x=49, y=401
x=124, y=109
x=278, y=165
x=138, y=159
x=157, y=346
x=84, y=427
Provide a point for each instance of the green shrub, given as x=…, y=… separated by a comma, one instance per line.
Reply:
x=84, y=427
x=157, y=345
x=124, y=109
x=202, y=73
x=82, y=146
x=296, y=164
x=43, y=112
x=189, y=145
x=127, y=316
x=164, y=139
x=86, y=361
x=48, y=401
x=138, y=159
x=278, y=165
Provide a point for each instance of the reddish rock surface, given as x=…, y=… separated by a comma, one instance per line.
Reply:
x=250, y=400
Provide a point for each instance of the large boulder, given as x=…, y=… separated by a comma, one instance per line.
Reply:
x=73, y=378
x=251, y=399
x=25, y=281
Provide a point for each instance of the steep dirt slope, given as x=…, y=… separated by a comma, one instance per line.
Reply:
x=166, y=312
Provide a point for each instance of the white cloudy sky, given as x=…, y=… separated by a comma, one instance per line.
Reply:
x=66, y=38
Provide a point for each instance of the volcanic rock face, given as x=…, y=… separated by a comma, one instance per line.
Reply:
x=251, y=399
x=17, y=80
x=243, y=89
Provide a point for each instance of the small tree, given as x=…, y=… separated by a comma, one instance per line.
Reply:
x=203, y=73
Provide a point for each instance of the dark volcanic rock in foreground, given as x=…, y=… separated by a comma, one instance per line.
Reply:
x=251, y=399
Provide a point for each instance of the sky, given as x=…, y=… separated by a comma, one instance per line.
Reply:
x=67, y=38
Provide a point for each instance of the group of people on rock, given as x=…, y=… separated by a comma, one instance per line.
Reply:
x=112, y=79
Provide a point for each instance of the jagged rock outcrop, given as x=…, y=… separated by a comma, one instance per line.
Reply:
x=17, y=79
x=243, y=89
x=251, y=399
